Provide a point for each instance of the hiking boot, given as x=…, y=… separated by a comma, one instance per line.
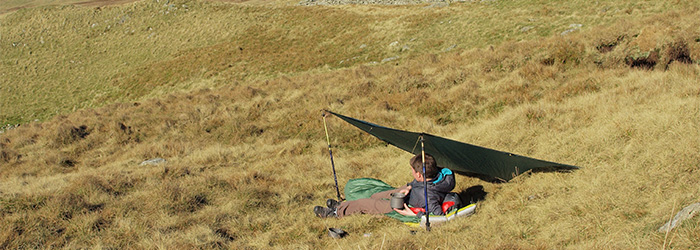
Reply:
x=325, y=212
x=332, y=204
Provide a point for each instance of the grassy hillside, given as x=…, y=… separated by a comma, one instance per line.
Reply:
x=68, y=58
x=230, y=96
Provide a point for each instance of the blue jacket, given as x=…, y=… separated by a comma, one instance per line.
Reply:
x=437, y=189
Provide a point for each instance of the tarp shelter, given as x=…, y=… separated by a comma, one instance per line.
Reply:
x=460, y=157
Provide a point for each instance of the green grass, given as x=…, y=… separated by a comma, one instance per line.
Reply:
x=230, y=95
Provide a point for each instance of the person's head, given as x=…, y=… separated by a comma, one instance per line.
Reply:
x=431, y=168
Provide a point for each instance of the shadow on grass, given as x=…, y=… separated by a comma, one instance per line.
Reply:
x=472, y=194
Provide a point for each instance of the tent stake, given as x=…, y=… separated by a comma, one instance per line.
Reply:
x=330, y=152
x=425, y=185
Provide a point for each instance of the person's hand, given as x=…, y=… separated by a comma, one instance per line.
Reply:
x=405, y=190
x=406, y=211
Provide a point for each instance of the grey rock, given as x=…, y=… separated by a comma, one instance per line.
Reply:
x=390, y=59
x=154, y=161
x=526, y=28
x=687, y=213
x=572, y=28
x=8, y=127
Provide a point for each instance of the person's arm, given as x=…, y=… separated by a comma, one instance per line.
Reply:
x=404, y=190
x=406, y=210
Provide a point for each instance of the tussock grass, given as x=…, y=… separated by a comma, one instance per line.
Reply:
x=243, y=139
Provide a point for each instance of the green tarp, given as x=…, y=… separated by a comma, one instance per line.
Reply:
x=460, y=157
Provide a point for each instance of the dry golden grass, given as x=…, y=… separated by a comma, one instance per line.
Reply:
x=245, y=146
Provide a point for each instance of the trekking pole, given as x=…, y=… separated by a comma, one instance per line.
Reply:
x=425, y=185
x=330, y=152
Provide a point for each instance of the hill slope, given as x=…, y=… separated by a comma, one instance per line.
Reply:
x=230, y=96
